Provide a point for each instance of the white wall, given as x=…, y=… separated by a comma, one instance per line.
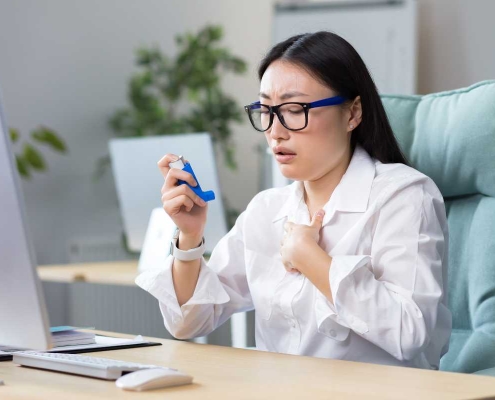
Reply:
x=455, y=43
x=65, y=64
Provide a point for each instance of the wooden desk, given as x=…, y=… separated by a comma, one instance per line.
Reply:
x=109, y=273
x=228, y=373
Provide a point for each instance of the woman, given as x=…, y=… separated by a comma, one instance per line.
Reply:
x=349, y=261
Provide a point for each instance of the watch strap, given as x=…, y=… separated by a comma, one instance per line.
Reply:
x=186, y=255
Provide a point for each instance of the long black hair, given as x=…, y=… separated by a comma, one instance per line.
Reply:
x=335, y=63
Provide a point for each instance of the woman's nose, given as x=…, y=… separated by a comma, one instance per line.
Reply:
x=277, y=130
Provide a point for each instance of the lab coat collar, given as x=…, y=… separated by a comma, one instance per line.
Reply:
x=351, y=194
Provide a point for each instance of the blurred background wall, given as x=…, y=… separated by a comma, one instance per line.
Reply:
x=455, y=43
x=65, y=64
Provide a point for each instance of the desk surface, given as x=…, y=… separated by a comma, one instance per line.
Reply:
x=109, y=273
x=229, y=373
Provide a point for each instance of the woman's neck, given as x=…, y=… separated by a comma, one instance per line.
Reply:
x=318, y=192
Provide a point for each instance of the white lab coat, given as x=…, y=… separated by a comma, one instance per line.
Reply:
x=384, y=227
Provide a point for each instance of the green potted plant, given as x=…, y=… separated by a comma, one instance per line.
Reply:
x=30, y=157
x=191, y=80
x=193, y=77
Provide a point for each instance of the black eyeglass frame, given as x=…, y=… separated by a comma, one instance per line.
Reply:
x=330, y=101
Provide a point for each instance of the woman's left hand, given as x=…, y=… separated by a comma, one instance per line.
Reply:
x=298, y=239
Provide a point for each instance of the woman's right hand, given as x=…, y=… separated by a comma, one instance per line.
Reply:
x=186, y=208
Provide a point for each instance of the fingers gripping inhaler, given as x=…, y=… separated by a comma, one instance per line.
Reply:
x=180, y=164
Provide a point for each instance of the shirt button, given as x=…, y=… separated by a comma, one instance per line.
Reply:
x=333, y=333
x=293, y=324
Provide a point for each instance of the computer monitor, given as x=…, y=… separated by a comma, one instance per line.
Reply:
x=138, y=181
x=23, y=316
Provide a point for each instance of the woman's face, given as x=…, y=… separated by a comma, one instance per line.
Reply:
x=324, y=143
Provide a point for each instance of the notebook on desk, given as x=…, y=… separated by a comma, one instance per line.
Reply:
x=103, y=343
x=71, y=336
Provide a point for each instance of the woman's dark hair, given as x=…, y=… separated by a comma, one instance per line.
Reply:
x=334, y=62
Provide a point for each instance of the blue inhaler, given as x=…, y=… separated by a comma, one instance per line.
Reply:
x=206, y=196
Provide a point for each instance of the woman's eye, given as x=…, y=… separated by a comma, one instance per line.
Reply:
x=296, y=111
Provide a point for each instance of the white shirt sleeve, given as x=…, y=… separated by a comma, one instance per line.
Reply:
x=392, y=297
x=221, y=290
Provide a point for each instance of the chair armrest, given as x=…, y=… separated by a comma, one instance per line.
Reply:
x=486, y=372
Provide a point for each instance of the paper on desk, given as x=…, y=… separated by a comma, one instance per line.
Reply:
x=101, y=342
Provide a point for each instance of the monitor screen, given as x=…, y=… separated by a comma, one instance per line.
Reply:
x=23, y=316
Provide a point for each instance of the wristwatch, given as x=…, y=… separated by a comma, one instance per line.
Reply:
x=186, y=255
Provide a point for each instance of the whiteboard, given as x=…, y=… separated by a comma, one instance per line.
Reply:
x=382, y=32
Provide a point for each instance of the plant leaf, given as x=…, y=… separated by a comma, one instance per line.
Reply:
x=22, y=166
x=143, y=57
x=183, y=94
x=34, y=158
x=102, y=165
x=48, y=136
x=229, y=157
x=14, y=135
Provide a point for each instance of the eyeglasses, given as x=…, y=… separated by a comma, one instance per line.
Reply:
x=292, y=115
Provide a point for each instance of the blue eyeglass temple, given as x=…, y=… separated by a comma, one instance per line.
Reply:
x=330, y=101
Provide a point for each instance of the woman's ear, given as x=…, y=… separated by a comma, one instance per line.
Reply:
x=356, y=112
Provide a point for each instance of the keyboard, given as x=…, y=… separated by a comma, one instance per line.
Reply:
x=103, y=368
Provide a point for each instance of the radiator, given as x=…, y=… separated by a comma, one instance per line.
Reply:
x=94, y=249
x=125, y=309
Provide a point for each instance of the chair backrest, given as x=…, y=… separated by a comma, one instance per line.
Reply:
x=450, y=137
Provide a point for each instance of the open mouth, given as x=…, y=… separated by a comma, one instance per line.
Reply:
x=285, y=153
x=284, y=157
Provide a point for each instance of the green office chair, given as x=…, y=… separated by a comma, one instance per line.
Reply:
x=450, y=137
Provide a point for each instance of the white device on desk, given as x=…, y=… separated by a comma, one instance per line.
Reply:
x=155, y=378
x=129, y=376
x=95, y=367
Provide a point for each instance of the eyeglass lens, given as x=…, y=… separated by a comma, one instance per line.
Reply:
x=292, y=116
